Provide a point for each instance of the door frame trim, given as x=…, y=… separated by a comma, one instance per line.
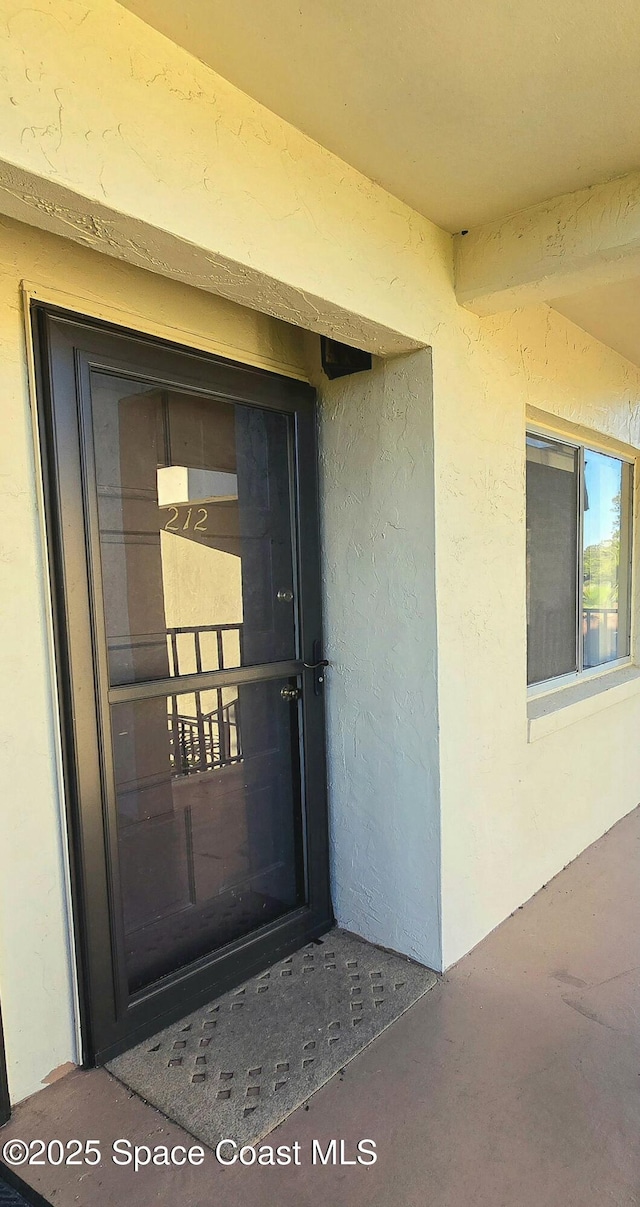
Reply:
x=298, y=926
x=142, y=322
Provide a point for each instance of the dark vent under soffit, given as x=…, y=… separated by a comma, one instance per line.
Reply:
x=338, y=360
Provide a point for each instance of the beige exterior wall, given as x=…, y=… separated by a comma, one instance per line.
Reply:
x=36, y=978
x=434, y=782
x=514, y=812
x=445, y=816
x=377, y=467
x=149, y=156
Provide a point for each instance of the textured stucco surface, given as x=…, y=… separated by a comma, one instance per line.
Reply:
x=565, y=244
x=379, y=565
x=610, y=312
x=148, y=155
x=513, y=813
x=466, y=111
x=428, y=714
x=444, y=818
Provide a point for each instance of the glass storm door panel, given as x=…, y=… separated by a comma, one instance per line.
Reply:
x=208, y=821
x=195, y=532
x=208, y=831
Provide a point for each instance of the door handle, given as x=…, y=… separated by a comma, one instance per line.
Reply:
x=290, y=694
x=318, y=667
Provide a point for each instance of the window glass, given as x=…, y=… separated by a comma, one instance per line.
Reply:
x=579, y=537
x=552, y=544
x=194, y=513
x=606, y=555
x=208, y=820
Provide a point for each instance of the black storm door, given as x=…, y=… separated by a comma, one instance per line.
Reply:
x=183, y=526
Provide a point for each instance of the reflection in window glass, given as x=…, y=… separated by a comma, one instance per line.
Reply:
x=194, y=512
x=606, y=556
x=552, y=543
x=209, y=832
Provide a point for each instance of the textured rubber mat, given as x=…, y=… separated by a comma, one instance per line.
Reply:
x=237, y=1067
x=15, y=1193
x=9, y=1197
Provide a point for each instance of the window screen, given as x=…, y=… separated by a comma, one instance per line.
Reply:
x=579, y=520
x=552, y=556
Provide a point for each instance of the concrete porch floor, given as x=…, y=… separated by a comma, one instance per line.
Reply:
x=515, y=1083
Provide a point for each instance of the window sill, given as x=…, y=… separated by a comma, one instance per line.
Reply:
x=546, y=714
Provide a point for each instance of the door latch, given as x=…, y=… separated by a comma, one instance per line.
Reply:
x=318, y=666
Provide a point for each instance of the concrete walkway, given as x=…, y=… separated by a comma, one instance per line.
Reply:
x=515, y=1083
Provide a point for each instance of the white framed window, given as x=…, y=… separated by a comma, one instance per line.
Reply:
x=579, y=545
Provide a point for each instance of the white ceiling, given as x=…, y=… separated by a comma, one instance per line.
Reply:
x=611, y=313
x=466, y=109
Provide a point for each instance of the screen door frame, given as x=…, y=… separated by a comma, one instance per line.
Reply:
x=67, y=346
x=5, y=1100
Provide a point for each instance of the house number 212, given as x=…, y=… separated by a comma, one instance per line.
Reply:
x=174, y=524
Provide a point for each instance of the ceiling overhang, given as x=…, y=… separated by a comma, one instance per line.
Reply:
x=580, y=253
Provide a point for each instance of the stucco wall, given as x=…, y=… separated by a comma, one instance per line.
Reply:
x=148, y=155
x=163, y=164
x=498, y=816
x=36, y=984
x=380, y=620
x=513, y=813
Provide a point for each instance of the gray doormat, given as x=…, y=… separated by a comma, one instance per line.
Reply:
x=16, y=1193
x=237, y=1067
